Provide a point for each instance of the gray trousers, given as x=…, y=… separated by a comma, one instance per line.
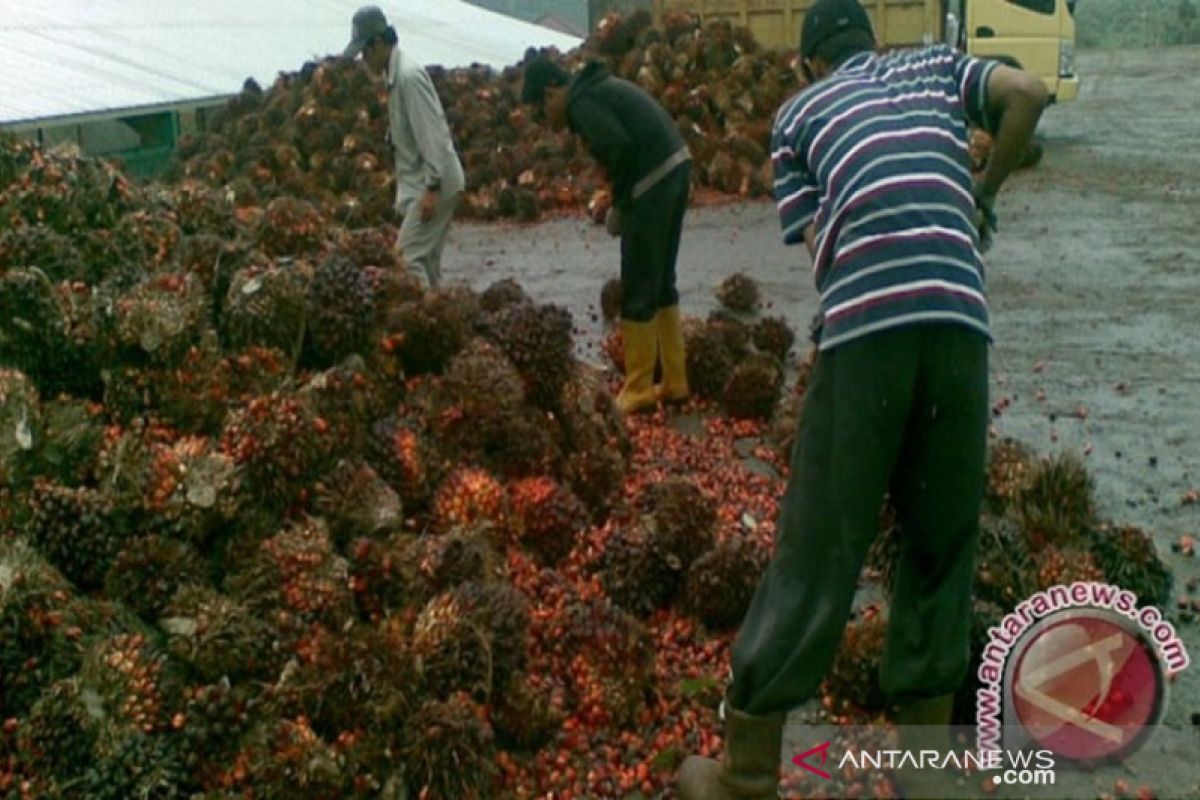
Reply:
x=421, y=243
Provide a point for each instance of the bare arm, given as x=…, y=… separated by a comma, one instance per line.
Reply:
x=1017, y=100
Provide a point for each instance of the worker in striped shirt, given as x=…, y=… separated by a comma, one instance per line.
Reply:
x=871, y=173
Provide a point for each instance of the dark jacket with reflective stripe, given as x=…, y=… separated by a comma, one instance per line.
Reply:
x=626, y=130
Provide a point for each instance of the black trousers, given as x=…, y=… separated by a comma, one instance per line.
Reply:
x=650, y=233
x=904, y=410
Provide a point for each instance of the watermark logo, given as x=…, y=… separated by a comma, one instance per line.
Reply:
x=1080, y=671
x=821, y=750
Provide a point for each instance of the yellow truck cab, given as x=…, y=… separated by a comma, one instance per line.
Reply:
x=1036, y=35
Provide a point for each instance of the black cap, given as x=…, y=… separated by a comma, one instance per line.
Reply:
x=541, y=74
x=827, y=18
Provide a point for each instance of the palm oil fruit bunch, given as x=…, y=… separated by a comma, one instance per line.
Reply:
x=214, y=718
x=547, y=517
x=610, y=300
x=448, y=750
x=1127, y=557
x=684, y=518
x=1010, y=465
x=639, y=573
x=266, y=306
x=46, y=333
x=341, y=310
x=78, y=529
x=1004, y=571
x=721, y=583
x=854, y=676
x=41, y=247
x=1063, y=566
x=709, y=362
x=216, y=636
x=72, y=434
x=773, y=336
x=355, y=502
x=539, y=341
x=139, y=765
x=471, y=639
x=753, y=389
x=739, y=293
x=59, y=734
x=424, y=334
x=501, y=294
x=439, y=563
x=148, y=572
x=401, y=451
x=484, y=397
x=127, y=673
x=524, y=715
x=279, y=443
x=470, y=496
x=290, y=227
x=1056, y=505
x=160, y=318
x=737, y=334
x=612, y=668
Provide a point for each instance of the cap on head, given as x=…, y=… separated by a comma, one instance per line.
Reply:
x=826, y=19
x=541, y=74
x=367, y=23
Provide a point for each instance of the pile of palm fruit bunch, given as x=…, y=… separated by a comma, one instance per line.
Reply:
x=738, y=358
x=277, y=522
x=320, y=132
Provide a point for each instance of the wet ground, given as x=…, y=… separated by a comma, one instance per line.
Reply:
x=1094, y=284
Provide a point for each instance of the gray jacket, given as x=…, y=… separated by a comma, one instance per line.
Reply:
x=424, y=150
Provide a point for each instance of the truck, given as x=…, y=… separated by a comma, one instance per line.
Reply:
x=1035, y=35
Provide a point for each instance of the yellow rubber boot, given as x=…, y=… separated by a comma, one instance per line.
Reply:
x=674, y=357
x=641, y=353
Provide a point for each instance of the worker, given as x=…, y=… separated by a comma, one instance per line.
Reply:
x=649, y=166
x=429, y=175
x=871, y=172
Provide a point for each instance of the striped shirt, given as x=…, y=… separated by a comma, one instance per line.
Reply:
x=875, y=157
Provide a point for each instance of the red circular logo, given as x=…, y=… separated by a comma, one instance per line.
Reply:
x=1086, y=685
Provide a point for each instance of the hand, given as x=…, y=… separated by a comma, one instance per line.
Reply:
x=985, y=219
x=429, y=204
x=613, y=221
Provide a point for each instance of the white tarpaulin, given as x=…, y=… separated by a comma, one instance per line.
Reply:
x=61, y=58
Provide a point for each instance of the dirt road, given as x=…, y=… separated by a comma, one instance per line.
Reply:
x=1093, y=282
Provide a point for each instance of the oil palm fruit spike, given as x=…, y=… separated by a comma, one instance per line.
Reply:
x=341, y=308
x=1063, y=566
x=1056, y=506
x=279, y=443
x=1127, y=557
x=1010, y=467
x=356, y=502
x=468, y=496
x=149, y=570
x=448, y=750
x=59, y=734
x=73, y=431
x=709, y=362
x=471, y=639
x=266, y=306
x=610, y=300
x=638, y=573
x=502, y=293
x=547, y=517
x=215, y=716
x=685, y=519
x=436, y=564
x=128, y=674
x=753, y=389
x=738, y=335
x=401, y=451
x=21, y=428
x=139, y=765
x=773, y=336
x=739, y=293
x=217, y=636
x=854, y=676
x=361, y=678
x=296, y=578
x=539, y=341
x=290, y=227
x=721, y=583
x=159, y=319
x=425, y=334
x=1004, y=572
x=78, y=529
x=523, y=714
x=39, y=637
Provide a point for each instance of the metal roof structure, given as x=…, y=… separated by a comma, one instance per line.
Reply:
x=67, y=59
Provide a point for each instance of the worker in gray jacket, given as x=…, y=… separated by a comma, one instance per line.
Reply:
x=429, y=175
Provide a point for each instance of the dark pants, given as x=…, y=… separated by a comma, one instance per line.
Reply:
x=906, y=411
x=650, y=233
